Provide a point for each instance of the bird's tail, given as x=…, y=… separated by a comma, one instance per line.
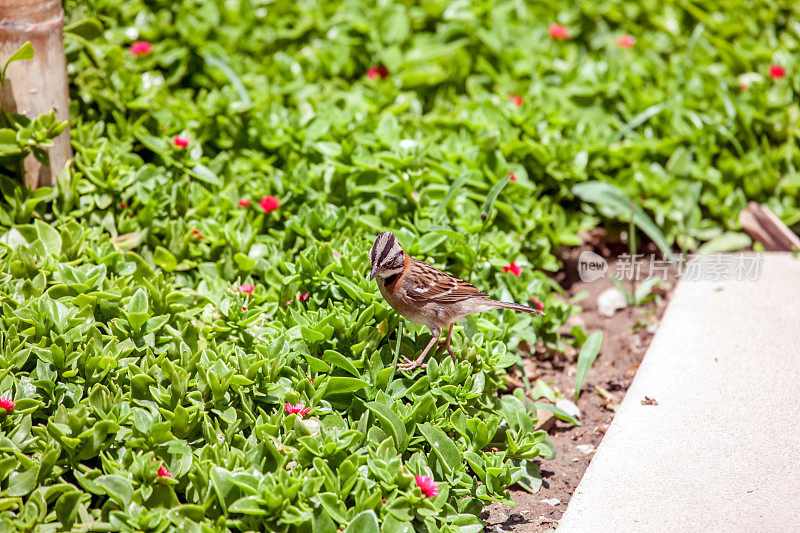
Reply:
x=496, y=304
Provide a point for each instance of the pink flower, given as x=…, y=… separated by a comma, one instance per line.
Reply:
x=303, y=297
x=512, y=177
x=269, y=203
x=777, y=72
x=244, y=202
x=516, y=99
x=298, y=409
x=513, y=268
x=163, y=472
x=378, y=71
x=7, y=404
x=626, y=41
x=336, y=255
x=558, y=32
x=196, y=234
x=141, y=48
x=427, y=486
x=537, y=303
x=180, y=142
x=289, y=302
x=247, y=289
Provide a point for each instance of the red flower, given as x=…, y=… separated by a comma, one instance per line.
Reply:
x=538, y=303
x=7, y=404
x=163, y=472
x=244, y=202
x=427, y=486
x=180, y=142
x=513, y=268
x=123, y=205
x=303, y=297
x=244, y=308
x=269, y=203
x=246, y=288
x=197, y=235
x=777, y=72
x=383, y=501
x=558, y=32
x=626, y=41
x=141, y=48
x=298, y=409
x=512, y=177
x=378, y=71
x=517, y=99
x=311, y=380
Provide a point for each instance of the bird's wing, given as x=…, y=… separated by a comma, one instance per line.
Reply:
x=425, y=283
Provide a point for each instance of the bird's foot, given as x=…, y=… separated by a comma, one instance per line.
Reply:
x=446, y=346
x=411, y=365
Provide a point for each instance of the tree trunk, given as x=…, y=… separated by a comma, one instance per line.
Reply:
x=40, y=85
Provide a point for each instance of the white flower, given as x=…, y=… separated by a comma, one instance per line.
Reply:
x=749, y=78
x=151, y=79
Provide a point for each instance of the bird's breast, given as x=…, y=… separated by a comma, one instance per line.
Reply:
x=395, y=295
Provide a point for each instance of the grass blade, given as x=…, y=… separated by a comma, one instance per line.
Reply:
x=396, y=354
x=618, y=284
x=454, y=187
x=617, y=204
x=559, y=413
x=216, y=62
x=589, y=352
x=494, y=192
x=644, y=290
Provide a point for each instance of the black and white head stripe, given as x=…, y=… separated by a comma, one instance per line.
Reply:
x=386, y=253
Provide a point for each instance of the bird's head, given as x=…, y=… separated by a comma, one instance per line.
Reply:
x=386, y=256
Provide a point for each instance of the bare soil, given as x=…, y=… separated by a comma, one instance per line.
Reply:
x=627, y=335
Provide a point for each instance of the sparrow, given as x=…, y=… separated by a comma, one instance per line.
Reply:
x=424, y=294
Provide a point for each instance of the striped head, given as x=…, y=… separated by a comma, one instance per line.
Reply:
x=387, y=256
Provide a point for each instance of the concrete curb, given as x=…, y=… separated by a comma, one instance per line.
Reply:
x=721, y=450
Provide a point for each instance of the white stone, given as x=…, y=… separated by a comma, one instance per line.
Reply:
x=568, y=407
x=610, y=301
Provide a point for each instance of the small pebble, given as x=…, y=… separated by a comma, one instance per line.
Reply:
x=585, y=448
x=610, y=301
x=568, y=407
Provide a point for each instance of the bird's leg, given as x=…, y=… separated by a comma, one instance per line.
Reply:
x=411, y=365
x=446, y=342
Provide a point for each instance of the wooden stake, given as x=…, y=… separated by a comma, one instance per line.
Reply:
x=762, y=225
x=38, y=86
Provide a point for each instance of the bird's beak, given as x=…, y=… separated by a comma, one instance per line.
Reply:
x=373, y=273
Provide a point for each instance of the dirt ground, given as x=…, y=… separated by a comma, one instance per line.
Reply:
x=626, y=337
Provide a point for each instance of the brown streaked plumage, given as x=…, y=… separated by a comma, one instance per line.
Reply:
x=426, y=295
